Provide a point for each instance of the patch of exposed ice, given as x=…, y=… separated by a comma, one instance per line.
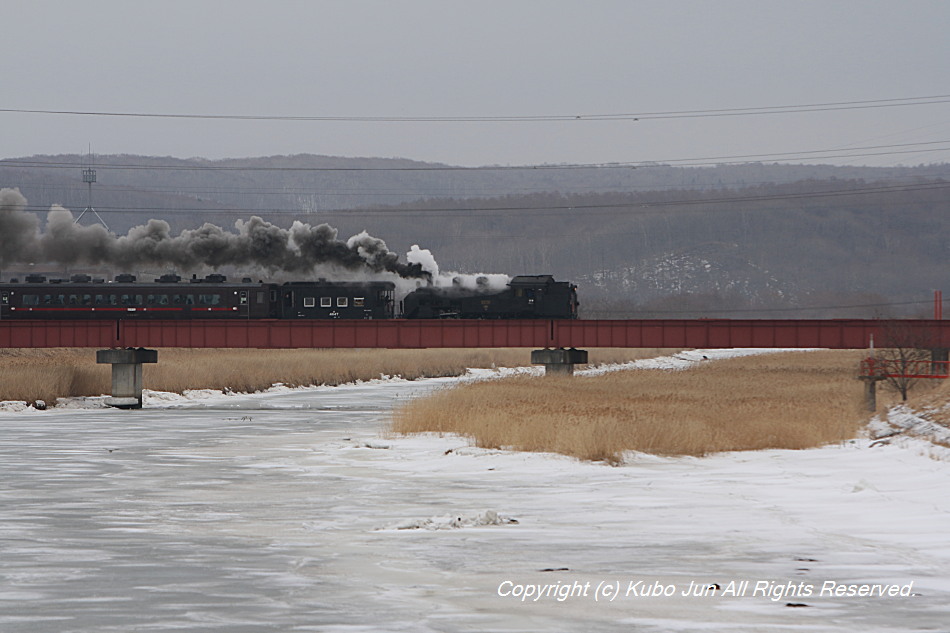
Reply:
x=82, y=402
x=473, y=374
x=454, y=521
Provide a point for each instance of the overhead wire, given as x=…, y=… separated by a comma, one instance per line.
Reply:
x=625, y=116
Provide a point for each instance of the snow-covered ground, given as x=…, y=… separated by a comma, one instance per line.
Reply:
x=294, y=510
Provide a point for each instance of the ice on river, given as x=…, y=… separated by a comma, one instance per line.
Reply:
x=294, y=510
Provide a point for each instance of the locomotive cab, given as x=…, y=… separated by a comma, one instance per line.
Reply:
x=540, y=296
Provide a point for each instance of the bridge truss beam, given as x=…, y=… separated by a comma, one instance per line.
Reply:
x=402, y=334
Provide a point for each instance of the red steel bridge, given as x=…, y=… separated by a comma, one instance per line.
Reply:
x=404, y=334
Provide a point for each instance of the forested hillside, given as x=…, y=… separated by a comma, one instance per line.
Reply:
x=704, y=253
x=731, y=240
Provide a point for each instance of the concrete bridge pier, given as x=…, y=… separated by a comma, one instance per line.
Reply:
x=870, y=391
x=559, y=362
x=126, y=374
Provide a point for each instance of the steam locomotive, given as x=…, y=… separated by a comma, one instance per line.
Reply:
x=214, y=297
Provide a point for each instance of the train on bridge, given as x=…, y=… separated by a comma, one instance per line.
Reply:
x=82, y=297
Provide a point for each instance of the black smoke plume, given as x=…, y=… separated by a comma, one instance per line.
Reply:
x=302, y=248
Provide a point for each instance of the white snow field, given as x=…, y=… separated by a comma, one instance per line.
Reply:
x=293, y=510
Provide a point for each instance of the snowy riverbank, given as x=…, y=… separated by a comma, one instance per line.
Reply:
x=295, y=510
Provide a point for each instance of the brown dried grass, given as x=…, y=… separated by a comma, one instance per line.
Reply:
x=791, y=400
x=48, y=374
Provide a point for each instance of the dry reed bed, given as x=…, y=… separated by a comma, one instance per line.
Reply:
x=791, y=400
x=48, y=374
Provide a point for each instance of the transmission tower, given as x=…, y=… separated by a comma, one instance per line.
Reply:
x=89, y=177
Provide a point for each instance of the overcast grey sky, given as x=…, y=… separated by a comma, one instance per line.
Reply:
x=485, y=58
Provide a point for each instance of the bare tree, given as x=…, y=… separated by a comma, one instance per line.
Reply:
x=906, y=356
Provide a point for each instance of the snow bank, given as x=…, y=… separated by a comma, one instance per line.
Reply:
x=911, y=429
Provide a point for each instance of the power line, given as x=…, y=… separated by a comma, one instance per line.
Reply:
x=817, y=153
x=628, y=116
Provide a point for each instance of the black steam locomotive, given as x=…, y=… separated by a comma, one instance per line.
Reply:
x=526, y=297
x=214, y=297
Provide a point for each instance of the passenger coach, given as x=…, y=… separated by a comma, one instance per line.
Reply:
x=211, y=297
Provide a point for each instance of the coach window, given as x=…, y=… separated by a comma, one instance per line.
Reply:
x=87, y=300
x=190, y=300
x=73, y=300
x=261, y=295
x=326, y=302
x=359, y=302
x=309, y=302
x=31, y=300
x=59, y=300
x=177, y=300
x=341, y=302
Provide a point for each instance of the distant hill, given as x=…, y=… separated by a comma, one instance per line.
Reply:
x=730, y=240
x=303, y=184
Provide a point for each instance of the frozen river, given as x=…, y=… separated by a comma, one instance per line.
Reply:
x=295, y=512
